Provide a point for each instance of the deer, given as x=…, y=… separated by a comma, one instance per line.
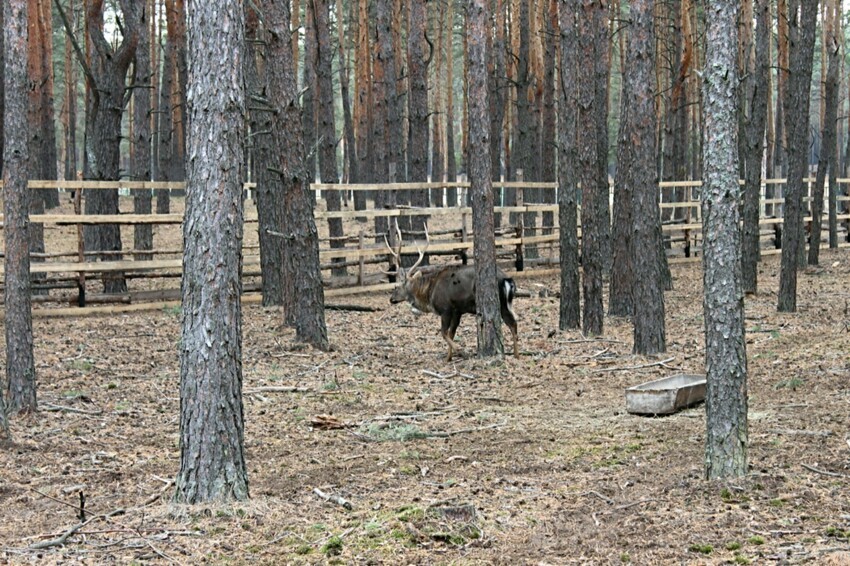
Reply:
x=447, y=290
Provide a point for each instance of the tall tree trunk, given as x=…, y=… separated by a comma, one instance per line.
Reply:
x=212, y=453
x=105, y=106
x=326, y=122
x=383, y=95
x=488, y=317
x=309, y=96
x=754, y=119
x=622, y=275
x=43, y=134
x=569, y=316
x=417, y=99
x=348, y=123
x=592, y=214
x=801, y=18
x=179, y=102
x=726, y=353
x=39, y=138
x=451, y=159
x=163, y=169
x=143, y=233
x=641, y=175
x=497, y=87
x=2, y=106
x=826, y=159
x=269, y=193
x=363, y=105
x=836, y=166
x=437, y=162
x=548, y=144
x=20, y=362
x=70, y=104
x=302, y=279
x=602, y=68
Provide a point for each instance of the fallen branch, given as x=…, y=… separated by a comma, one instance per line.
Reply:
x=440, y=434
x=355, y=308
x=824, y=472
x=607, y=500
x=60, y=540
x=52, y=408
x=823, y=433
x=277, y=389
x=341, y=501
x=641, y=366
x=448, y=375
x=157, y=495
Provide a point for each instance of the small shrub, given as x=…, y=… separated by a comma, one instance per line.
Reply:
x=701, y=548
x=333, y=547
x=734, y=545
x=756, y=539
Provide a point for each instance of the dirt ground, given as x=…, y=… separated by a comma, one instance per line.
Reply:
x=530, y=459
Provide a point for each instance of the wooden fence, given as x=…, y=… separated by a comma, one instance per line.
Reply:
x=682, y=227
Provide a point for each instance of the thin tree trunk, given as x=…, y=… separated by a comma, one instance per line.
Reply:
x=165, y=116
x=39, y=138
x=451, y=160
x=326, y=123
x=20, y=362
x=363, y=105
x=348, y=123
x=548, y=145
x=497, y=88
x=622, y=276
x=212, y=453
x=827, y=149
x=143, y=233
x=641, y=175
x=726, y=355
x=486, y=288
x=592, y=214
x=309, y=96
x=801, y=17
x=417, y=98
x=302, y=279
x=70, y=105
x=437, y=162
x=569, y=316
x=754, y=119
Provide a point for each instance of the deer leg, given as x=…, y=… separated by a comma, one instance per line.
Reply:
x=510, y=319
x=447, y=333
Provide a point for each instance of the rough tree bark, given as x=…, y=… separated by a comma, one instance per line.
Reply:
x=802, y=16
x=548, y=145
x=570, y=302
x=143, y=233
x=20, y=363
x=70, y=121
x=269, y=192
x=641, y=175
x=43, y=131
x=756, y=66
x=451, y=160
x=488, y=316
x=348, y=123
x=826, y=159
x=418, y=59
x=726, y=354
x=363, y=104
x=162, y=167
x=308, y=82
x=498, y=87
x=592, y=214
x=601, y=68
x=106, y=98
x=212, y=456
x=326, y=122
x=304, y=300
x=622, y=276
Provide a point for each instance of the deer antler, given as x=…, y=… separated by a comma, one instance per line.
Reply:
x=421, y=252
x=395, y=253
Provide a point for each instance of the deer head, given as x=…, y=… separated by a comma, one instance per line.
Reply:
x=405, y=277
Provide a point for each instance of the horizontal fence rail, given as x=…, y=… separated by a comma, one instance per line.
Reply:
x=521, y=232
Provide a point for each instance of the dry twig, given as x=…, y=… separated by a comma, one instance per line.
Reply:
x=341, y=501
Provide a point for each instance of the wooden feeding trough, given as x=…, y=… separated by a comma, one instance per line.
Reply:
x=665, y=396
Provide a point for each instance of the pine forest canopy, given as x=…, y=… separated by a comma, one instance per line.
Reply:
x=679, y=54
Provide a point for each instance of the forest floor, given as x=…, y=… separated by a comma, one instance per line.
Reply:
x=529, y=459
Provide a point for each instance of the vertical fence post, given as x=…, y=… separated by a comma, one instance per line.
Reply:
x=464, y=236
x=360, y=243
x=81, y=256
x=520, y=262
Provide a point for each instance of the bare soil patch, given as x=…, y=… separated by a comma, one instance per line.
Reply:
x=527, y=460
